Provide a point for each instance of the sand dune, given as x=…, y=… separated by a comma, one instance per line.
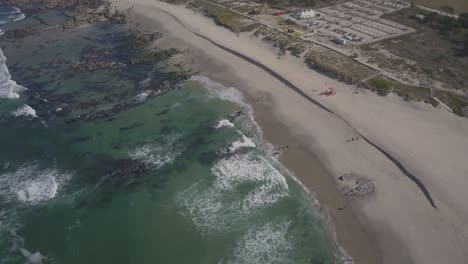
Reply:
x=428, y=143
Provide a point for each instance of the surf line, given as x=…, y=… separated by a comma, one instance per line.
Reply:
x=286, y=82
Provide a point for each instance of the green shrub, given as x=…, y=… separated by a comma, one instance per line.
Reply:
x=136, y=40
x=382, y=87
x=447, y=9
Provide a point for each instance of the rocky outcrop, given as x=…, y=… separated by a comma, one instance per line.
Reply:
x=79, y=12
x=20, y=32
x=354, y=186
x=92, y=65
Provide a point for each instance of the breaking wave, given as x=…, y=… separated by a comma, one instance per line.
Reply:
x=230, y=94
x=8, y=88
x=223, y=123
x=268, y=244
x=219, y=90
x=244, y=142
x=159, y=153
x=10, y=14
x=220, y=206
x=25, y=110
x=30, y=184
x=141, y=96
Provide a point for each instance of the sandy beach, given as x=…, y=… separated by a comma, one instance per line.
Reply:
x=413, y=153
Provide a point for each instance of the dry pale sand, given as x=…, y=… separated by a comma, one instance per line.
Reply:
x=397, y=222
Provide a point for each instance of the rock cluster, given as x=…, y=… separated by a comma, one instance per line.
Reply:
x=354, y=186
x=361, y=189
x=78, y=11
x=92, y=65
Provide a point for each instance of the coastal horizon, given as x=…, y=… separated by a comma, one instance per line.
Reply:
x=233, y=144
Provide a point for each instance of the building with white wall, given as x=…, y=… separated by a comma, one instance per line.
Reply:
x=304, y=14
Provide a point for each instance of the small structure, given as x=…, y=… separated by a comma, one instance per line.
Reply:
x=294, y=31
x=420, y=17
x=278, y=13
x=330, y=91
x=305, y=14
x=254, y=11
x=339, y=41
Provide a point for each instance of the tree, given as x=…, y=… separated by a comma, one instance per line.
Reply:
x=465, y=48
x=310, y=3
x=447, y=9
x=463, y=20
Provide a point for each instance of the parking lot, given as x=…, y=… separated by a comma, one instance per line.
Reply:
x=359, y=22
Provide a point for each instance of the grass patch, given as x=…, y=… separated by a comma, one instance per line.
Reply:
x=137, y=40
x=262, y=31
x=139, y=46
x=457, y=103
x=337, y=65
x=228, y=19
x=297, y=49
x=383, y=86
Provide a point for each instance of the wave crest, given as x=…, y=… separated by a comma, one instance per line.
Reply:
x=220, y=206
x=268, y=244
x=31, y=184
x=8, y=88
x=157, y=154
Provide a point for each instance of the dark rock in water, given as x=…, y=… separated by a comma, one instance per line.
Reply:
x=82, y=139
x=118, y=18
x=132, y=126
x=235, y=115
x=19, y=33
x=88, y=104
x=167, y=129
x=208, y=158
x=163, y=112
x=155, y=36
x=82, y=203
x=92, y=65
x=126, y=168
x=72, y=120
x=132, y=186
x=78, y=11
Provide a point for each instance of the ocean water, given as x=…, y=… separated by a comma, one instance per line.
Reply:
x=94, y=169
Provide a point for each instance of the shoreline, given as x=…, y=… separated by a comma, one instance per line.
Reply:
x=377, y=228
x=353, y=242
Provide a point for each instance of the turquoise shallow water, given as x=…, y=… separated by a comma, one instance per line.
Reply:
x=161, y=180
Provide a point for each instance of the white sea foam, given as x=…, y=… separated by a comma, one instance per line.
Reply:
x=244, y=142
x=141, y=96
x=271, y=186
x=220, y=91
x=12, y=15
x=32, y=258
x=159, y=153
x=223, y=123
x=8, y=88
x=25, y=110
x=231, y=94
x=32, y=185
x=268, y=244
x=218, y=206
